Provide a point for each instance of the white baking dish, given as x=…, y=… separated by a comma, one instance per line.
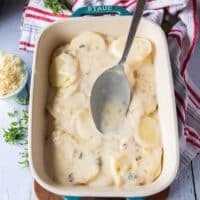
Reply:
x=61, y=32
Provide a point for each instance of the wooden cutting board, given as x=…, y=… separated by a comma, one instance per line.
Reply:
x=43, y=194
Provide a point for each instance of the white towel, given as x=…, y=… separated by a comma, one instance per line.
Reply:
x=182, y=37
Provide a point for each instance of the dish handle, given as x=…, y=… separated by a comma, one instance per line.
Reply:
x=71, y=198
x=79, y=198
x=100, y=10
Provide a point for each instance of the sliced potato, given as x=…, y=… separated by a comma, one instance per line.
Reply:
x=156, y=164
x=146, y=88
x=71, y=80
x=117, y=46
x=69, y=91
x=150, y=166
x=84, y=125
x=120, y=166
x=142, y=47
x=76, y=163
x=60, y=50
x=148, y=134
x=88, y=40
x=64, y=70
x=84, y=170
x=139, y=51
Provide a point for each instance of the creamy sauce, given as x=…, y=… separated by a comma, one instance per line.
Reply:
x=113, y=115
x=76, y=153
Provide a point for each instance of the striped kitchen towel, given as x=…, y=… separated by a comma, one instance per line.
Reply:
x=181, y=18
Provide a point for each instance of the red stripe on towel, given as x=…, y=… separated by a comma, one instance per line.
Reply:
x=39, y=18
x=192, y=133
x=177, y=37
x=191, y=141
x=193, y=93
x=26, y=44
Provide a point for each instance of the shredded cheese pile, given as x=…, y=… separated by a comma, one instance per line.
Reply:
x=11, y=73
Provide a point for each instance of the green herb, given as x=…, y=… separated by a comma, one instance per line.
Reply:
x=16, y=133
x=130, y=176
x=17, y=129
x=82, y=46
x=57, y=5
x=13, y=114
x=71, y=177
x=138, y=158
x=135, y=176
x=125, y=145
x=98, y=162
x=23, y=100
x=80, y=155
x=24, y=155
x=24, y=163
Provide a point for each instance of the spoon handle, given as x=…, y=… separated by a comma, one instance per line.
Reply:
x=132, y=29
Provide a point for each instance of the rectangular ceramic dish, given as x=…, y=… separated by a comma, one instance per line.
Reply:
x=60, y=33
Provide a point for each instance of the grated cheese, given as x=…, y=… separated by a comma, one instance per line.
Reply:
x=11, y=73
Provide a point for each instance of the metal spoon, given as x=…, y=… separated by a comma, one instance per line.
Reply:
x=113, y=85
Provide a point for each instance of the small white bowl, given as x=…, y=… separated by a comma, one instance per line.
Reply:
x=20, y=88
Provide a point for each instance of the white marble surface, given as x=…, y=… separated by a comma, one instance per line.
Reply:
x=15, y=182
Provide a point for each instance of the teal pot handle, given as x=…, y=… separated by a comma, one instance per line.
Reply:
x=135, y=198
x=71, y=198
x=100, y=10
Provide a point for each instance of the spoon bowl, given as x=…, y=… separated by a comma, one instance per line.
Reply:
x=111, y=86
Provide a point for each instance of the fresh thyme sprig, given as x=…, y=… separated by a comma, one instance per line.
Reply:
x=17, y=130
x=24, y=155
x=57, y=5
x=13, y=114
x=16, y=133
x=23, y=100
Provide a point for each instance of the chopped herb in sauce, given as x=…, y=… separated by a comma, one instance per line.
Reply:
x=138, y=158
x=125, y=145
x=135, y=176
x=80, y=155
x=142, y=183
x=98, y=162
x=130, y=176
x=82, y=46
x=71, y=177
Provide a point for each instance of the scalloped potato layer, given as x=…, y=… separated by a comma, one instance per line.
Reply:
x=76, y=152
